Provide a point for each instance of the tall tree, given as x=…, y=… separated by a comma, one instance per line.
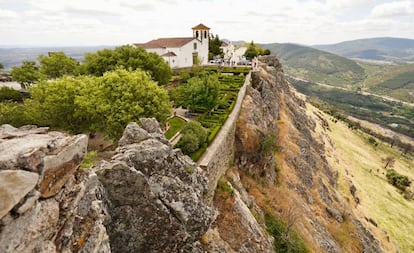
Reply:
x=214, y=46
x=120, y=97
x=389, y=162
x=27, y=74
x=1, y=66
x=57, y=64
x=130, y=58
x=199, y=92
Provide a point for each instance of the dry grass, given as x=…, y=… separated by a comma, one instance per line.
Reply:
x=360, y=162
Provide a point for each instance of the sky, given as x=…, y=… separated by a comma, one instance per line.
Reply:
x=119, y=22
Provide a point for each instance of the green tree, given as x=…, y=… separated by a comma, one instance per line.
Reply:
x=107, y=103
x=53, y=103
x=130, y=58
x=57, y=64
x=120, y=97
x=27, y=74
x=253, y=50
x=266, y=52
x=199, y=93
x=1, y=66
x=193, y=137
x=214, y=47
x=398, y=180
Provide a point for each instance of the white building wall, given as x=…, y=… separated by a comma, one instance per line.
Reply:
x=159, y=51
x=184, y=58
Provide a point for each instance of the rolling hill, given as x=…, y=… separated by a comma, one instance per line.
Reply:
x=395, y=50
x=316, y=65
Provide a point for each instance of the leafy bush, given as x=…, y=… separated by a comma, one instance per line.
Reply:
x=290, y=242
x=193, y=137
x=14, y=114
x=398, y=180
x=9, y=94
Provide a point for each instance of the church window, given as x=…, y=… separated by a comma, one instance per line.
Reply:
x=195, y=46
x=205, y=34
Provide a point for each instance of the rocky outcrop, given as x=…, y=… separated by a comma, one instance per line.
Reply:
x=46, y=203
x=271, y=107
x=155, y=194
x=149, y=198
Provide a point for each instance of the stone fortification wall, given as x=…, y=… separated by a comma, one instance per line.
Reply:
x=216, y=159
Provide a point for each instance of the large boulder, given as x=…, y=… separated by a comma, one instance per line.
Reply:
x=155, y=195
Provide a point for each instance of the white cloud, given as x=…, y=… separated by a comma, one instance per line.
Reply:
x=394, y=9
x=77, y=22
x=7, y=14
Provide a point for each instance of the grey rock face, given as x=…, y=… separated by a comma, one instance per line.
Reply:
x=46, y=203
x=14, y=185
x=155, y=197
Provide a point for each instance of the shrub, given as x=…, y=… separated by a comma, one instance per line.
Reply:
x=398, y=180
x=193, y=137
x=9, y=94
x=277, y=228
x=14, y=114
x=188, y=143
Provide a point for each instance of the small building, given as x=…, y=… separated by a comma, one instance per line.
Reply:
x=182, y=52
x=228, y=50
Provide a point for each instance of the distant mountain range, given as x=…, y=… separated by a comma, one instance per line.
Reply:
x=10, y=57
x=396, y=50
x=316, y=65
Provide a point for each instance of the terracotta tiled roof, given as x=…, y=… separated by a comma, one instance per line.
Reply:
x=165, y=42
x=200, y=27
x=169, y=54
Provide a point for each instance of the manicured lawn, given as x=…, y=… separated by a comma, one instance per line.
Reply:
x=175, y=125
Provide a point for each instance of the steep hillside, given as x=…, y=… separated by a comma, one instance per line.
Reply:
x=396, y=50
x=294, y=191
x=315, y=65
x=363, y=182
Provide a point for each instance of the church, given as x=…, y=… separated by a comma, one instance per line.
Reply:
x=182, y=52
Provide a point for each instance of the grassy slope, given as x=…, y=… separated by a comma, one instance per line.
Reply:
x=318, y=66
x=379, y=200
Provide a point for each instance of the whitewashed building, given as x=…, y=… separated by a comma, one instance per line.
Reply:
x=184, y=51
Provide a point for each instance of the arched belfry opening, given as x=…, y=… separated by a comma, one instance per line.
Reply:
x=201, y=32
